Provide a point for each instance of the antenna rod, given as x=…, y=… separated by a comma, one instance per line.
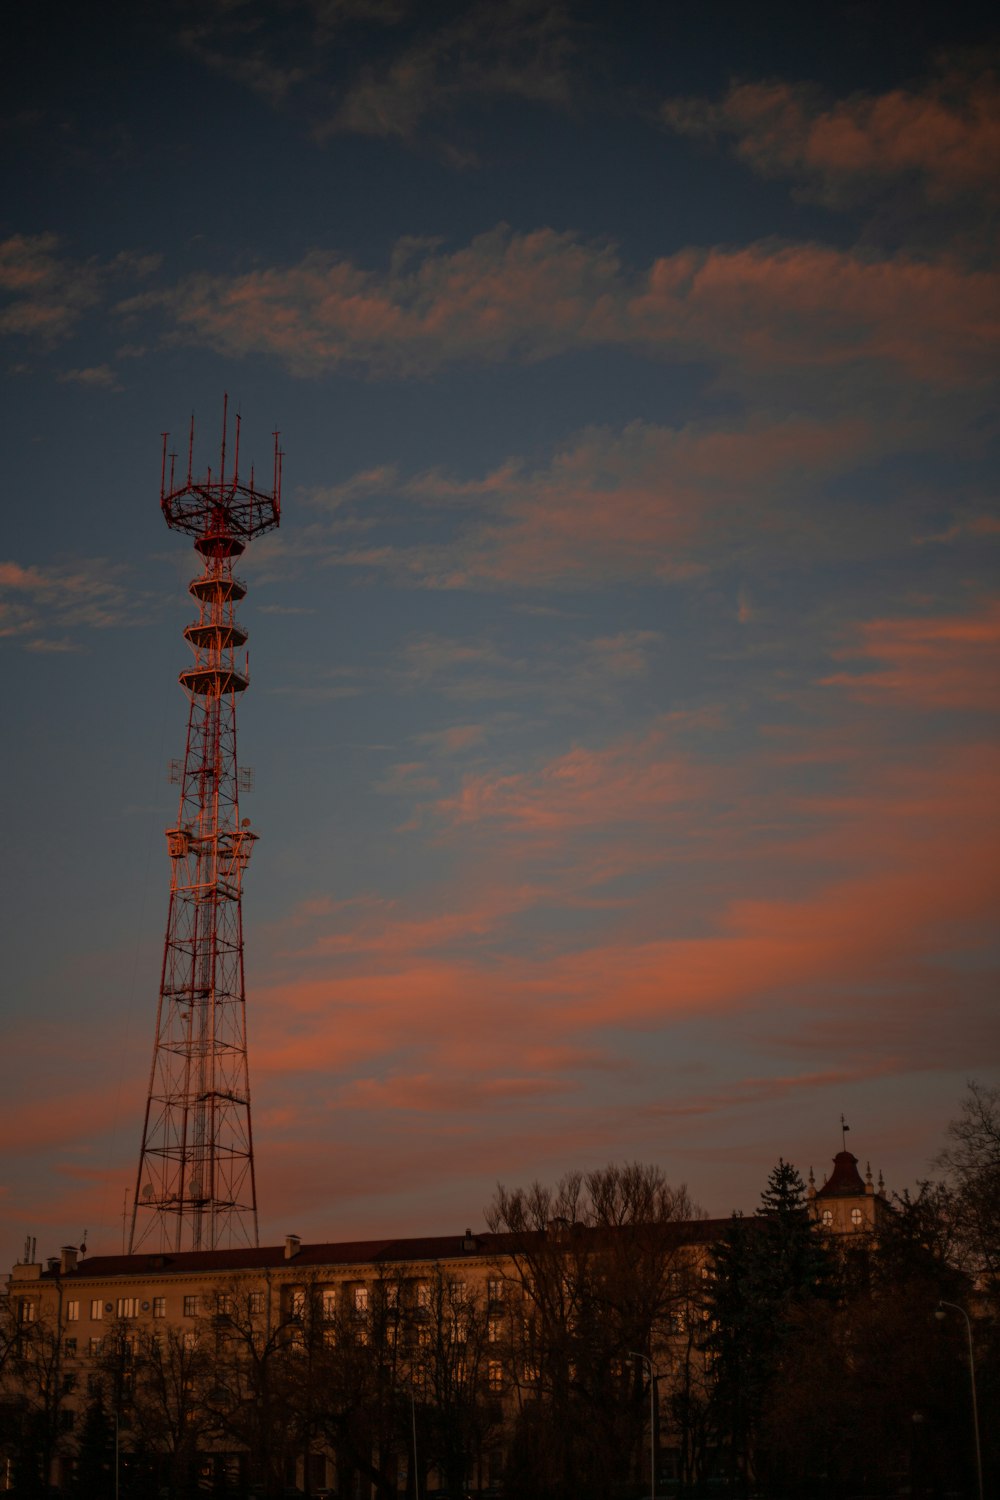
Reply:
x=225, y=420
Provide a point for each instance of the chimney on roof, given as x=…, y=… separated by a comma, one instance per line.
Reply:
x=52, y=1265
x=67, y=1259
x=469, y=1242
x=292, y=1244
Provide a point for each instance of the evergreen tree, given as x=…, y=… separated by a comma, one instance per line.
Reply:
x=766, y=1270
x=797, y=1263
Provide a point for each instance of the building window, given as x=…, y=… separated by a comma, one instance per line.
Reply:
x=459, y=1293
x=494, y=1375
x=94, y=1347
x=256, y=1302
x=72, y=1312
x=360, y=1299
x=69, y=1347
x=26, y=1310
x=128, y=1307
x=329, y=1306
x=297, y=1302
x=392, y=1294
x=191, y=1307
x=159, y=1307
x=96, y=1310
x=493, y=1331
x=856, y=1217
x=224, y=1305
x=330, y=1337
x=827, y=1217
x=494, y=1289
x=423, y=1295
x=190, y=1339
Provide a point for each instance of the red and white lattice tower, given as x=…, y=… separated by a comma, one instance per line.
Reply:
x=195, y=1186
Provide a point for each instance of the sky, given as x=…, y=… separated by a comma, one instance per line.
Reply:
x=623, y=713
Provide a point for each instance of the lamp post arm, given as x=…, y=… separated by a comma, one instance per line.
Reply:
x=972, y=1381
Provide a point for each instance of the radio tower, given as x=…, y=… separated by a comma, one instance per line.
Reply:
x=195, y=1184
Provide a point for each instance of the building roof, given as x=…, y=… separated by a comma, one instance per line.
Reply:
x=845, y=1181
x=343, y=1253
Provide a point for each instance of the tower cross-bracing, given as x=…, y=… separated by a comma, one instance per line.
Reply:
x=195, y=1186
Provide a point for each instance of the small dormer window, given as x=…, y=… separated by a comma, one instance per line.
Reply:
x=856, y=1217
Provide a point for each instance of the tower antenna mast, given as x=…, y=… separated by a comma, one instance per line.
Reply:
x=195, y=1187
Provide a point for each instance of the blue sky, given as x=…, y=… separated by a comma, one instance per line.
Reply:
x=623, y=712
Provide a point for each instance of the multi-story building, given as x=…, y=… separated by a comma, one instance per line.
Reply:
x=447, y=1321
x=313, y=1362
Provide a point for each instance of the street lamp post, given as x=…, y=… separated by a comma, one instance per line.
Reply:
x=413, y=1415
x=940, y=1313
x=634, y=1354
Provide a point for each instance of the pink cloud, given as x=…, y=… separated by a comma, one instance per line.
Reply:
x=946, y=136
x=49, y=292
x=87, y=594
x=530, y=296
x=929, y=661
x=864, y=901
x=454, y=740
x=646, y=501
x=31, y=1123
x=811, y=306
x=629, y=782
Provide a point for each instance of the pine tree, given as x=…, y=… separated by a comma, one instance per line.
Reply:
x=766, y=1270
x=797, y=1264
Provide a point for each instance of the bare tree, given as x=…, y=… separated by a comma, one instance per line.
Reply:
x=598, y=1271
x=972, y=1163
x=33, y=1384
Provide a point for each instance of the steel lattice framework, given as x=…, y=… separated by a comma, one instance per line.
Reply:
x=195, y=1186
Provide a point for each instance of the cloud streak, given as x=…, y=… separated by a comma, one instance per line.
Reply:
x=527, y=297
